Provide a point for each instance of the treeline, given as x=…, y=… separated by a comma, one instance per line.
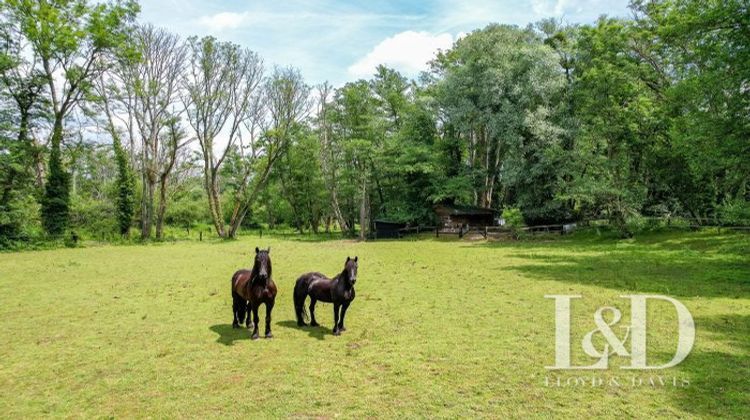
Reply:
x=113, y=126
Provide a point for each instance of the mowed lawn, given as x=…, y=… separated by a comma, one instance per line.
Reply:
x=439, y=328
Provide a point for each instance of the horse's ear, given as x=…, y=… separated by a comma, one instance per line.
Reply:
x=356, y=258
x=347, y=258
x=257, y=250
x=269, y=250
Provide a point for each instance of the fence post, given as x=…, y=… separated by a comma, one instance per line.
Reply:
x=437, y=231
x=200, y=235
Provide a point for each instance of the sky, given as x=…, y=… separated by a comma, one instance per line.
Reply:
x=340, y=41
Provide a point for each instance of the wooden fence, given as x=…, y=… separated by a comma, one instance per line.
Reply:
x=564, y=228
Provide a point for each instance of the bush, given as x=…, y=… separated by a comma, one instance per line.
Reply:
x=735, y=212
x=94, y=217
x=513, y=218
x=637, y=223
x=185, y=213
x=19, y=221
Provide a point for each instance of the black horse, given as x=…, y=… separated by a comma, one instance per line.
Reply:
x=339, y=291
x=250, y=288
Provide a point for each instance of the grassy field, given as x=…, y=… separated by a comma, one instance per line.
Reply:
x=440, y=328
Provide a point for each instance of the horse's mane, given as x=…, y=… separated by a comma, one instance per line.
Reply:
x=256, y=267
x=344, y=274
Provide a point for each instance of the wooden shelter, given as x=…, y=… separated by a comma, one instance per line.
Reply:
x=452, y=216
x=388, y=229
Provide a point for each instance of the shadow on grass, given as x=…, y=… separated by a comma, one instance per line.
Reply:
x=316, y=332
x=728, y=243
x=705, y=264
x=644, y=272
x=718, y=380
x=228, y=335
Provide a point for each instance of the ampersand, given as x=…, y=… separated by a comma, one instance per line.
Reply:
x=603, y=327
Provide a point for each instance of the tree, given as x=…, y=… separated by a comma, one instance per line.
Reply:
x=328, y=153
x=287, y=102
x=146, y=84
x=124, y=184
x=498, y=88
x=619, y=123
x=223, y=87
x=301, y=182
x=125, y=201
x=355, y=131
x=699, y=52
x=68, y=37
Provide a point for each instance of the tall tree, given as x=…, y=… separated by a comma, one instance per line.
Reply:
x=124, y=184
x=493, y=86
x=222, y=94
x=700, y=52
x=356, y=129
x=287, y=103
x=618, y=121
x=68, y=37
x=146, y=82
x=328, y=152
x=23, y=84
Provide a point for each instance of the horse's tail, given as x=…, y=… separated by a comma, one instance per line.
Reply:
x=300, y=293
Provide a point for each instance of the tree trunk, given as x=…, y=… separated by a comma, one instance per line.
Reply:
x=337, y=211
x=56, y=199
x=39, y=168
x=363, y=214
x=164, y=179
x=214, y=201
x=236, y=222
x=151, y=188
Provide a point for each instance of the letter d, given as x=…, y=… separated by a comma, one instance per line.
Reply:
x=686, y=332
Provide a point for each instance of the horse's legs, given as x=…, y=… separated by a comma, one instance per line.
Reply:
x=238, y=310
x=269, y=308
x=246, y=308
x=336, y=307
x=255, y=320
x=313, y=322
x=344, y=307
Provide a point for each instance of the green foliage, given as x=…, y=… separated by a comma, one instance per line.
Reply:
x=513, y=217
x=96, y=219
x=187, y=213
x=735, y=212
x=624, y=119
x=73, y=36
x=619, y=125
x=19, y=219
x=56, y=199
x=300, y=179
x=500, y=88
x=125, y=185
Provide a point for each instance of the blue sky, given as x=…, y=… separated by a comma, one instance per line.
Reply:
x=341, y=41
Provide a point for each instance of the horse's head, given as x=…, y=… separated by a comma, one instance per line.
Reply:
x=350, y=269
x=262, y=266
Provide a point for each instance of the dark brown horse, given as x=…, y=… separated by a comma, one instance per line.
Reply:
x=339, y=291
x=250, y=288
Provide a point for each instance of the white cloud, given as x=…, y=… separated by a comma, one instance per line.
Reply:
x=408, y=52
x=332, y=19
x=223, y=20
x=564, y=7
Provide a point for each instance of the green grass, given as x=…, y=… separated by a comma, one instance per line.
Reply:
x=439, y=328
